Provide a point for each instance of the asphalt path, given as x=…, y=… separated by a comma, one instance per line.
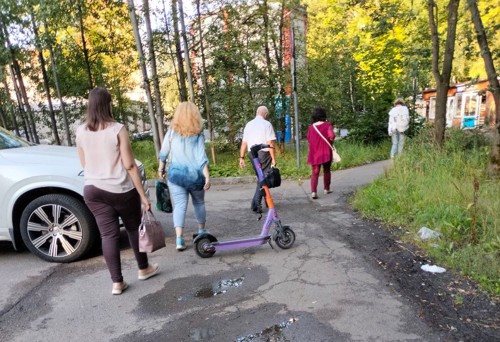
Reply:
x=319, y=290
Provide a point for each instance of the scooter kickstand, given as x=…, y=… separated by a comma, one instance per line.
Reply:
x=270, y=244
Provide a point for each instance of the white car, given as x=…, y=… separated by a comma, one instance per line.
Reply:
x=41, y=200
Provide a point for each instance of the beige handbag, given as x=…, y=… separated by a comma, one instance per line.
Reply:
x=151, y=235
x=335, y=156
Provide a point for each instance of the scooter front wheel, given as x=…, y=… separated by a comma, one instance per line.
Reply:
x=286, y=238
x=204, y=247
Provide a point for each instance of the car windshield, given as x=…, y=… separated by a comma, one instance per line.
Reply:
x=9, y=140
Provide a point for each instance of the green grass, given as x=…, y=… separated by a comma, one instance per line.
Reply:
x=227, y=162
x=433, y=188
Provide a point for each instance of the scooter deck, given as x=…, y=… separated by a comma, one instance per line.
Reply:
x=241, y=243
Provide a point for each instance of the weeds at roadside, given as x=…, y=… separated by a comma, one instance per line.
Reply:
x=227, y=159
x=448, y=192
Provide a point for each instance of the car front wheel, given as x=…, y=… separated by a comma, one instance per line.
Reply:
x=58, y=228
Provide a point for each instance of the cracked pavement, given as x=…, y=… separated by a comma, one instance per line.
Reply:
x=321, y=289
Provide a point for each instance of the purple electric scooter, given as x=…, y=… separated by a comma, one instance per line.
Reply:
x=206, y=244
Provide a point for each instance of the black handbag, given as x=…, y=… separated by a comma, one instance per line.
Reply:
x=163, y=201
x=272, y=177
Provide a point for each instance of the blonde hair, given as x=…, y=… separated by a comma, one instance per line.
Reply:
x=187, y=119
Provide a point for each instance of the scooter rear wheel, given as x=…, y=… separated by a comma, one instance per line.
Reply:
x=204, y=247
x=286, y=239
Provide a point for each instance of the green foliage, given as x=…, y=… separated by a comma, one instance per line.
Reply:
x=428, y=187
x=144, y=151
x=352, y=153
x=361, y=56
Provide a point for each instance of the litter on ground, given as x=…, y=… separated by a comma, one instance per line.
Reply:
x=433, y=269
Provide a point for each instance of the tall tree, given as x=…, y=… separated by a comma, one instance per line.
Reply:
x=27, y=119
x=178, y=52
x=84, y=45
x=442, y=77
x=142, y=61
x=171, y=54
x=206, y=107
x=154, y=72
x=494, y=164
x=7, y=92
x=58, y=91
x=17, y=79
x=38, y=43
x=186, y=51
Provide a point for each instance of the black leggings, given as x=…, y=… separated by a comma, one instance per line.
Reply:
x=107, y=207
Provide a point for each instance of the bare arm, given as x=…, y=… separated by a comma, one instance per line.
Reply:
x=243, y=152
x=207, y=177
x=128, y=162
x=81, y=155
x=271, y=152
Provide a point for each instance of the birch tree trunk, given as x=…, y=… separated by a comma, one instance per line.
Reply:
x=59, y=96
x=6, y=86
x=186, y=51
x=494, y=164
x=18, y=97
x=442, y=77
x=46, y=86
x=142, y=62
x=29, y=124
x=205, y=85
x=84, y=47
x=17, y=80
x=178, y=53
x=154, y=73
x=2, y=117
x=169, y=47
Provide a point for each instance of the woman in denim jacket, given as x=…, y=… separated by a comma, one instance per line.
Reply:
x=184, y=148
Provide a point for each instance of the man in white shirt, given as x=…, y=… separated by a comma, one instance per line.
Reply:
x=399, y=119
x=259, y=131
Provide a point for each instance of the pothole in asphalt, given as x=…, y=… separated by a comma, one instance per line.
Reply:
x=219, y=288
x=179, y=294
x=273, y=333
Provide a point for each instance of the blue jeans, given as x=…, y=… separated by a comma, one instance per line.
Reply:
x=180, y=198
x=398, y=142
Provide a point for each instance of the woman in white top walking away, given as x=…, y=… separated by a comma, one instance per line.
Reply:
x=113, y=187
x=399, y=120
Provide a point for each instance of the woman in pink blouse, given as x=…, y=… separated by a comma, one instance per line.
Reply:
x=320, y=152
x=113, y=187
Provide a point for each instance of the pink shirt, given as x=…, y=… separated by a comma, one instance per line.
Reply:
x=319, y=151
x=103, y=164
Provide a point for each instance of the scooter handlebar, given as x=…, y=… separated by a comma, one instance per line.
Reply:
x=256, y=148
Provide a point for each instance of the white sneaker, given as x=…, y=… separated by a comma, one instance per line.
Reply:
x=314, y=195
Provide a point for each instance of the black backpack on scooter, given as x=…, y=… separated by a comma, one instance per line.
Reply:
x=272, y=178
